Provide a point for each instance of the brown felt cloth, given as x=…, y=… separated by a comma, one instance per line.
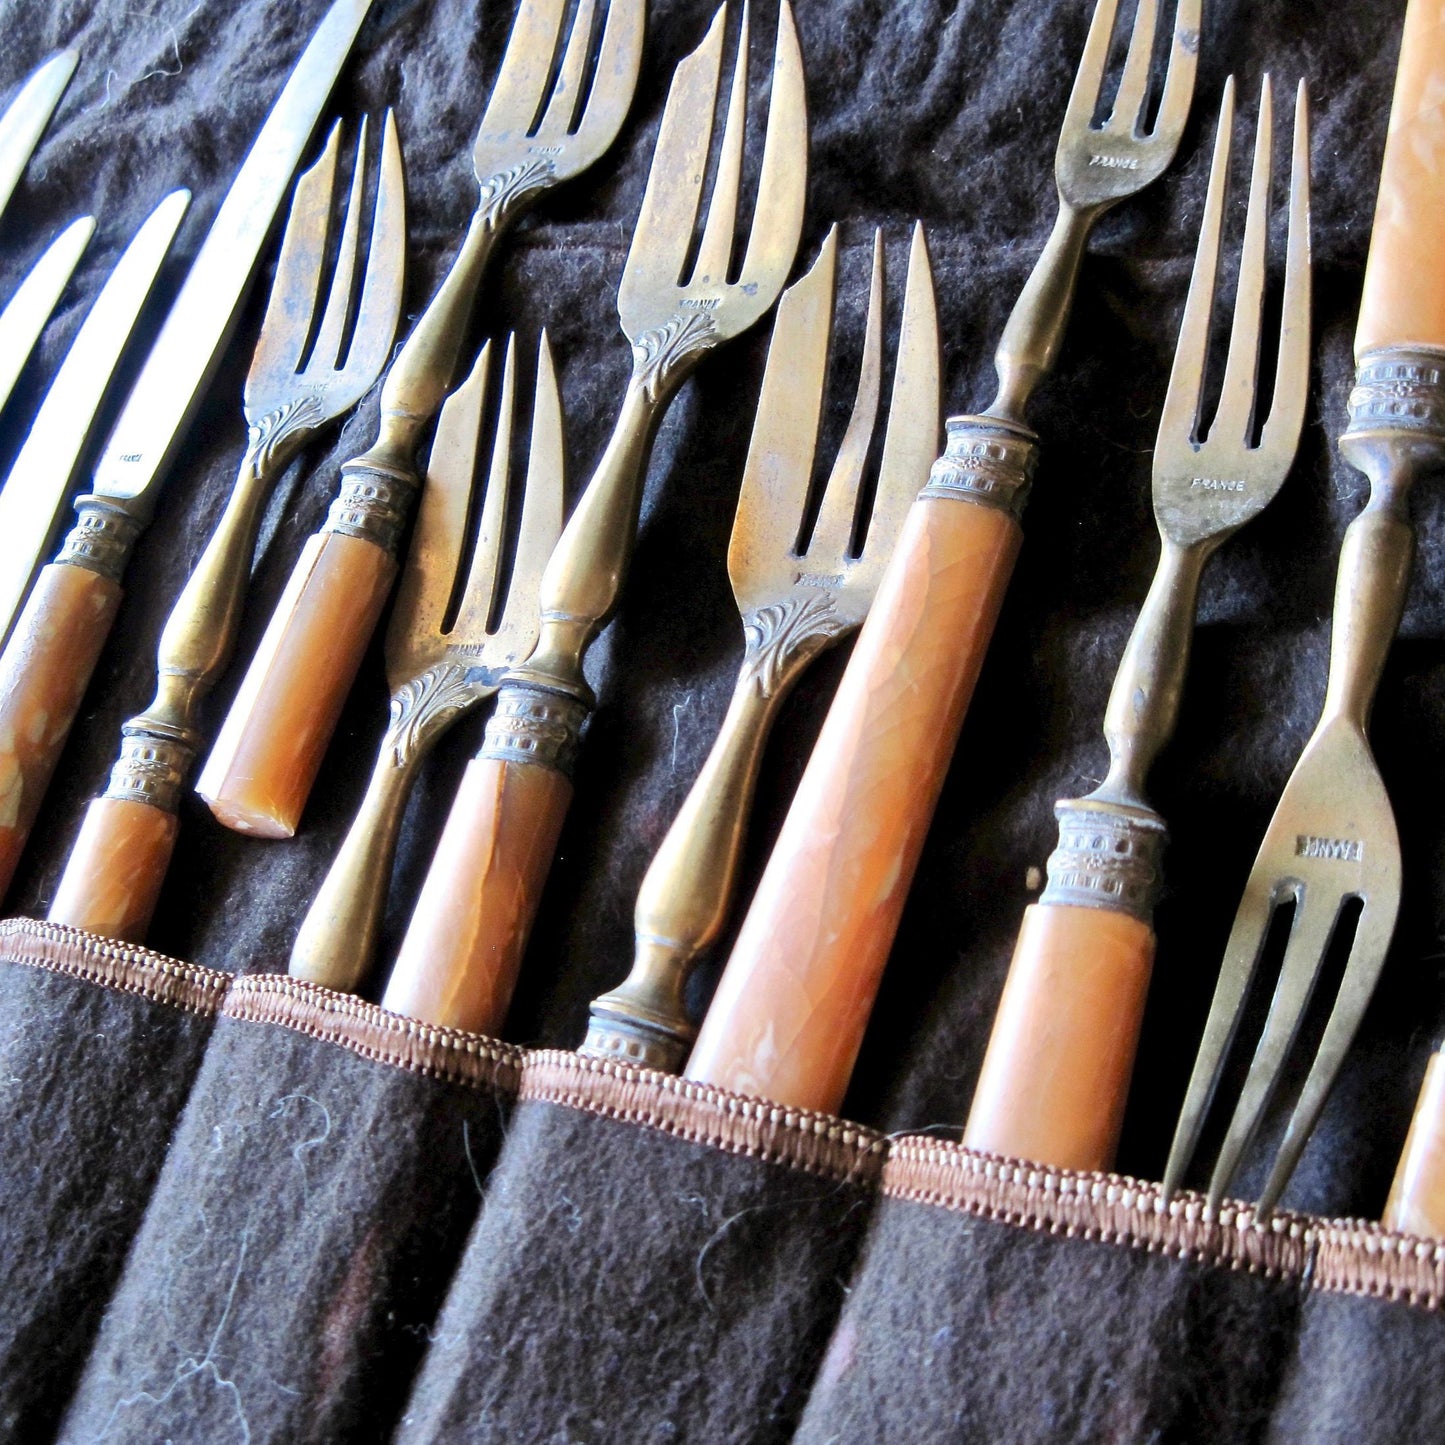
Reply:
x=941, y=109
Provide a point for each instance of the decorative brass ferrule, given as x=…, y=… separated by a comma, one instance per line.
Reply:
x=535, y=725
x=373, y=504
x=152, y=768
x=988, y=461
x=1397, y=417
x=1108, y=856
x=102, y=537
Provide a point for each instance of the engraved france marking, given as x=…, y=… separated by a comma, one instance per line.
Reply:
x=130, y=456
x=1115, y=163
x=1217, y=484
x=818, y=579
x=1343, y=850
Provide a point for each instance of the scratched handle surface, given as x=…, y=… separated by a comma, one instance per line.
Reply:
x=1056, y=1074
x=1417, y=1197
x=463, y=948
x=116, y=868
x=267, y=754
x=44, y=672
x=790, y=1011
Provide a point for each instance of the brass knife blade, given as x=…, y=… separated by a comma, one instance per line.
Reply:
x=195, y=332
x=24, y=317
x=39, y=480
x=28, y=114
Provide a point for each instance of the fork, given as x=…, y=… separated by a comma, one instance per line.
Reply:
x=439, y=671
x=544, y=124
x=810, y=953
x=1056, y=1074
x=119, y=861
x=463, y=948
x=796, y=600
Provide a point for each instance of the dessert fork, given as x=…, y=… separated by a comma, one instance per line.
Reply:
x=554, y=110
x=440, y=670
x=796, y=598
x=810, y=954
x=119, y=861
x=462, y=950
x=1056, y=1074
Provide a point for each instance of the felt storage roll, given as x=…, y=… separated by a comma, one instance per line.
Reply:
x=98, y=1045
x=299, y=1241
x=656, y=1261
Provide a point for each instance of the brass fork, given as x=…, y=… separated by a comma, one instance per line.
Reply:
x=439, y=671
x=466, y=938
x=1056, y=1075
x=293, y=389
x=796, y=598
x=559, y=100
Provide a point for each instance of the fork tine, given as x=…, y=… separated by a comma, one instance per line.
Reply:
x=526, y=68
x=1182, y=401
x=615, y=78
x=715, y=252
x=441, y=524
x=911, y=441
x=782, y=182
x=479, y=596
x=1241, y=960
x=1292, y=372
x=561, y=112
x=541, y=522
x=1089, y=78
x=674, y=184
x=1234, y=420
x=1179, y=80
x=380, y=305
x=784, y=442
x=294, y=292
x=828, y=546
x=1367, y=958
x=326, y=352
x=1128, y=109
x=1304, y=954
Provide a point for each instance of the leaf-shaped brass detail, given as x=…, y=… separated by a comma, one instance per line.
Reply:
x=784, y=633
x=504, y=191
x=425, y=707
x=279, y=430
x=656, y=354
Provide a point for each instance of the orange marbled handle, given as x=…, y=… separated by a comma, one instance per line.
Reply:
x=1056, y=1074
x=463, y=949
x=44, y=672
x=790, y=1011
x=1417, y=1197
x=115, y=870
x=260, y=772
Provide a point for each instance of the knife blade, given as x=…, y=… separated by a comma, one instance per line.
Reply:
x=40, y=478
x=27, y=311
x=28, y=114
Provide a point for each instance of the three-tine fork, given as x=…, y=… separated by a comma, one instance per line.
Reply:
x=796, y=598
x=1056, y=1074
x=810, y=954
x=559, y=100
x=119, y=861
x=477, y=905
x=440, y=670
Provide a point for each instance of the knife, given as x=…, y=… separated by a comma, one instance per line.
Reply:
x=40, y=477
x=52, y=652
x=27, y=116
x=27, y=311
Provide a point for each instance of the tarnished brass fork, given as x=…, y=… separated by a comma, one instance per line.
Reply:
x=796, y=597
x=1056, y=1075
x=559, y=100
x=297, y=384
x=440, y=670
x=466, y=938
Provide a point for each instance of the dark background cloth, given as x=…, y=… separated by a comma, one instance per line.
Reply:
x=946, y=110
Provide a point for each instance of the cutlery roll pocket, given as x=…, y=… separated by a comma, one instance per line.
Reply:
x=656, y=1260
x=316, y=1197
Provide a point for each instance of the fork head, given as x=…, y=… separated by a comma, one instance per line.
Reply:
x=296, y=381
x=1332, y=841
x=1206, y=489
x=668, y=309
x=554, y=108
x=1095, y=166
x=824, y=582
x=493, y=628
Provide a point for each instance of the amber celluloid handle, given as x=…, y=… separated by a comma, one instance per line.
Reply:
x=1417, y=1197
x=116, y=868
